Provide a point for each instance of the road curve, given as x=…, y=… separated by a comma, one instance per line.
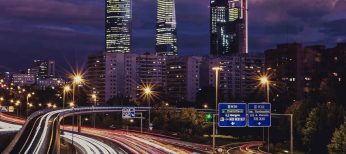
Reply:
x=85, y=144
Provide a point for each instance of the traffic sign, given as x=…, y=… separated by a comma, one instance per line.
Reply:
x=128, y=112
x=259, y=114
x=232, y=115
x=3, y=108
x=10, y=109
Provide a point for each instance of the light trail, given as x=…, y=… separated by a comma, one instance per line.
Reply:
x=7, y=127
x=92, y=146
x=86, y=144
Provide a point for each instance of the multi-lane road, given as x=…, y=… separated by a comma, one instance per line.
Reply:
x=83, y=143
x=39, y=134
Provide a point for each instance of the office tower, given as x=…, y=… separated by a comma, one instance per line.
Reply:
x=228, y=27
x=39, y=69
x=51, y=68
x=118, y=26
x=166, y=33
x=96, y=76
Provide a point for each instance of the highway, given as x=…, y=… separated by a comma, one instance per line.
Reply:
x=39, y=133
x=135, y=142
x=84, y=144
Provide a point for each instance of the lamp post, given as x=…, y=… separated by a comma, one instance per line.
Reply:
x=1, y=99
x=27, y=102
x=17, y=104
x=65, y=90
x=77, y=79
x=147, y=91
x=94, y=97
x=264, y=80
x=217, y=69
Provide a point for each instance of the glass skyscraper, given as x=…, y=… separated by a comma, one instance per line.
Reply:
x=228, y=27
x=118, y=26
x=166, y=33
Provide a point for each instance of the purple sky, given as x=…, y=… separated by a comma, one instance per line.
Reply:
x=69, y=30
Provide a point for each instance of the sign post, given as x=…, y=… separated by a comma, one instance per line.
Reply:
x=259, y=114
x=232, y=115
x=128, y=112
x=3, y=108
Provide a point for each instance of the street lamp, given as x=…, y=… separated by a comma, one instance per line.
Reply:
x=77, y=79
x=49, y=105
x=71, y=104
x=94, y=97
x=66, y=89
x=217, y=69
x=147, y=93
x=264, y=80
x=17, y=104
x=27, y=102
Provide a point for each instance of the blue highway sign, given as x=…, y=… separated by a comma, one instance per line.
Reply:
x=259, y=114
x=128, y=112
x=232, y=115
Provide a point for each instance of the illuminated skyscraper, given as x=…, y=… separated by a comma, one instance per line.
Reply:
x=118, y=26
x=228, y=27
x=166, y=33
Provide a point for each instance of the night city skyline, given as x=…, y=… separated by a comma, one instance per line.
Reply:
x=173, y=76
x=57, y=28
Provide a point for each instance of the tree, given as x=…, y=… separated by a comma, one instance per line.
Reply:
x=320, y=125
x=338, y=141
x=311, y=127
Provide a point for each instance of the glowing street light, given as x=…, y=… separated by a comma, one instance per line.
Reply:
x=27, y=102
x=217, y=69
x=49, y=105
x=264, y=80
x=66, y=89
x=94, y=97
x=148, y=93
x=71, y=104
x=77, y=79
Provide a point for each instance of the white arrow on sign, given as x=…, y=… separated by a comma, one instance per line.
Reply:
x=259, y=123
x=232, y=123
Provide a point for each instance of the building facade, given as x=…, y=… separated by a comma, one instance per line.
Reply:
x=292, y=68
x=166, y=33
x=96, y=76
x=42, y=69
x=118, y=26
x=228, y=27
x=183, y=78
x=23, y=79
x=238, y=79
